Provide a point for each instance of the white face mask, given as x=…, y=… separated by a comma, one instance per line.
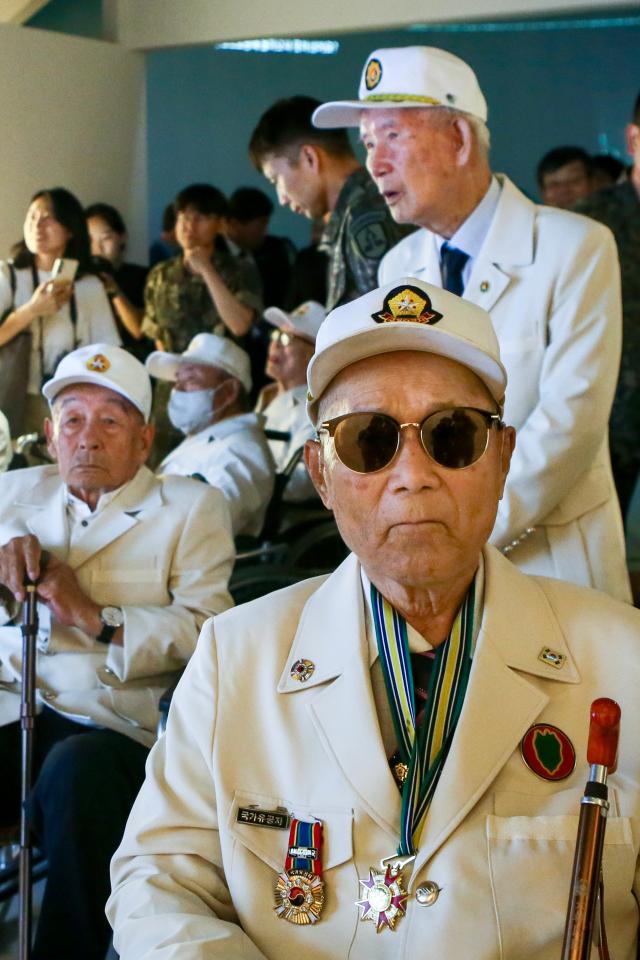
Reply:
x=191, y=410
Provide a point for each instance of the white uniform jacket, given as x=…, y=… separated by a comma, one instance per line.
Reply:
x=551, y=282
x=162, y=551
x=232, y=455
x=192, y=881
x=287, y=412
x=6, y=450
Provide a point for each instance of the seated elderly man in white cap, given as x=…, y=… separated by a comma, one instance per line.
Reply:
x=283, y=403
x=396, y=778
x=224, y=441
x=128, y=567
x=550, y=280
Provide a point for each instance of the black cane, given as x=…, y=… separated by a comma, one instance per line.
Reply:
x=29, y=630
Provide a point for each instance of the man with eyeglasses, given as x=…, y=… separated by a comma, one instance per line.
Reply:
x=379, y=764
x=283, y=401
x=549, y=279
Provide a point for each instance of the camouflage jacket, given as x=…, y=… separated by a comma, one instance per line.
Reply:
x=178, y=305
x=619, y=208
x=359, y=232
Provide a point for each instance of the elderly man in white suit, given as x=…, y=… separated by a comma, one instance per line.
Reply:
x=550, y=280
x=128, y=568
x=381, y=763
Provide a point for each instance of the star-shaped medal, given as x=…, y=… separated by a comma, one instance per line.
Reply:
x=384, y=900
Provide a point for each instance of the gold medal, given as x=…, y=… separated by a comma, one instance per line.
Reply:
x=299, y=896
x=299, y=891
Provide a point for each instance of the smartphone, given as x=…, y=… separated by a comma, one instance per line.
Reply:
x=64, y=269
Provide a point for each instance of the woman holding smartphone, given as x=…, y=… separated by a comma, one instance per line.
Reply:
x=60, y=311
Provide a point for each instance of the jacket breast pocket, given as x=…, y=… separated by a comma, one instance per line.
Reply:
x=530, y=863
x=133, y=586
x=257, y=858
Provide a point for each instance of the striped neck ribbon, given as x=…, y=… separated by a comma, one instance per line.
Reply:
x=305, y=846
x=424, y=753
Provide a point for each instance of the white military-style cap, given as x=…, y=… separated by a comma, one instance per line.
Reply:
x=304, y=321
x=407, y=314
x=206, y=348
x=408, y=77
x=107, y=366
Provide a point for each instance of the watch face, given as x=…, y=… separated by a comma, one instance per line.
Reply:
x=112, y=616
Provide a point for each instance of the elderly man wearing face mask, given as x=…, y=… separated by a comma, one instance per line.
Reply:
x=224, y=442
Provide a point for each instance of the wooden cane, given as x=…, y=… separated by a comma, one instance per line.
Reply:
x=586, y=880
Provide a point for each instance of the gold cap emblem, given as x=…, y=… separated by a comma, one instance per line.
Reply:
x=407, y=304
x=373, y=74
x=98, y=363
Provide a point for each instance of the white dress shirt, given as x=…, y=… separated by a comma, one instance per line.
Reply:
x=232, y=455
x=470, y=235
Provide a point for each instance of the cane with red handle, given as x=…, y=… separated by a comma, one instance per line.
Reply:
x=586, y=881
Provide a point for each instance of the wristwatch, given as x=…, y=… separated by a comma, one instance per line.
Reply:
x=111, y=618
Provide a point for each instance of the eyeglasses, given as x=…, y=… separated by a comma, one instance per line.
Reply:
x=455, y=438
x=283, y=338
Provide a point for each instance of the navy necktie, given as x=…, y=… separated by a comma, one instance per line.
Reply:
x=452, y=263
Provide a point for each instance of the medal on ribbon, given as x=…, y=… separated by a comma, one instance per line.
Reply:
x=422, y=747
x=384, y=898
x=299, y=889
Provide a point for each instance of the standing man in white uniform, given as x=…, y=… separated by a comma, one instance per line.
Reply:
x=224, y=441
x=283, y=402
x=270, y=822
x=549, y=279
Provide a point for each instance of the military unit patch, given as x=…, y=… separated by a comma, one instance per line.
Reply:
x=548, y=752
x=407, y=304
x=371, y=240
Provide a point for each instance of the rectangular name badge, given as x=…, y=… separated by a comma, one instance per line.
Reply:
x=276, y=819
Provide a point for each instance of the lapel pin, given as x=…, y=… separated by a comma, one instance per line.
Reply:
x=548, y=752
x=484, y=286
x=302, y=670
x=552, y=658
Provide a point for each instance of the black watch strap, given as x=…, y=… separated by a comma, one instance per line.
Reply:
x=106, y=634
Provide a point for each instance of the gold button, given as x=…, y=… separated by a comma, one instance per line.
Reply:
x=427, y=893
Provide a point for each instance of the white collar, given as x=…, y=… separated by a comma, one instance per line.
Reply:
x=77, y=509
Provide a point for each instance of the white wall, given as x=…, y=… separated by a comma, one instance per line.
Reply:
x=73, y=115
x=147, y=24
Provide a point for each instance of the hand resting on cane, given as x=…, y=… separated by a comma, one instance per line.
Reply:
x=22, y=558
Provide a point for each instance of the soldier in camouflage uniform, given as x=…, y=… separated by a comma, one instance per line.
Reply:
x=316, y=173
x=204, y=289
x=619, y=208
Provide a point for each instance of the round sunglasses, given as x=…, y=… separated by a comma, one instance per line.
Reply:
x=455, y=438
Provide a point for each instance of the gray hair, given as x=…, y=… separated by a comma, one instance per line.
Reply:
x=480, y=129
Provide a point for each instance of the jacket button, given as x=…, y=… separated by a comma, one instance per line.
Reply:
x=427, y=893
